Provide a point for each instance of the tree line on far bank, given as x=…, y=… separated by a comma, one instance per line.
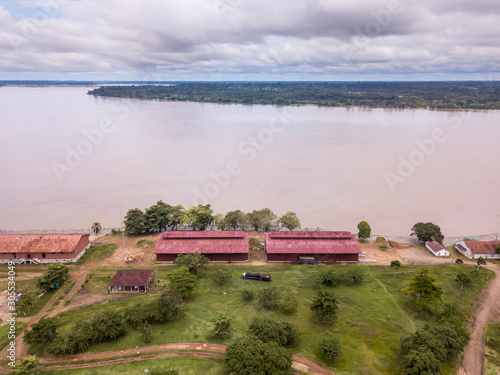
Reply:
x=162, y=216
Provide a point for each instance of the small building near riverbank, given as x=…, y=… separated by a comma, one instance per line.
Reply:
x=437, y=249
x=218, y=246
x=476, y=249
x=131, y=281
x=323, y=246
x=42, y=248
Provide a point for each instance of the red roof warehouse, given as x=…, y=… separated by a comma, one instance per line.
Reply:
x=218, y=246
x=325, y=247
x=42, y=248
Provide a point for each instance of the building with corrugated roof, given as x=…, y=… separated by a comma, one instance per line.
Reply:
x=42, y=248
x=437, y=249
x=131, y=281
x=476, y=249
x=324, y=246
x=218, y=246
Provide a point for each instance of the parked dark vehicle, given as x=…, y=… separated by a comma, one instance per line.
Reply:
x=307, y=260
x=255, y=276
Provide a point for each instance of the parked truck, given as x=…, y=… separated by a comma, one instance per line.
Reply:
x=255, y=276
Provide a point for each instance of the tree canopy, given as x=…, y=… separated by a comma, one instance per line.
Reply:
x=289, y=221
x=199, y=217
x=427, y=232
x=55, y=274
x=423, y=291
x=262, y=220
x=325, y=305
x=183, y=281
x=192, y=261
x=134, y=221
x=364, y=230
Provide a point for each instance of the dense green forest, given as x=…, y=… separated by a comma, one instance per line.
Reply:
x=445, y=95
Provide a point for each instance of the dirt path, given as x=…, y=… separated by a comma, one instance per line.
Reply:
x=488, y=307
x=300, y=363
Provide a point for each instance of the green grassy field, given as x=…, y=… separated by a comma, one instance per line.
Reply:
x=492, y=349
x=4, y=333
x=184, y=365
x=97, y=252
x=372, y=317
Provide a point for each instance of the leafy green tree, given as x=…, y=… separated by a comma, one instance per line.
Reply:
x=192, y=261
x=330, y=347
x=135, y=221
x=167, y=307
x=221, y=325
x=458, y=262
x=427, y=232
x=42, y=332
x=423, y=291
x=145, y=329
x=451, y=315
x=267, y=330
x=199, y=217
x=106, y=325
x=480, y=262
x=326, y=276
x=55, y=274
x=396, y=264
x=29, y=366
x=27, y=300
x=351, y=276
x=289, y=221
x=183, y=281
x=262, y=220
x=221, y=273
x=219, y=222
x=269, y=298
x=248, y=294
x=77, y=339
x=420, y=362
x=463, y=279
x=248, y=355
x=177, y=216
x=157, y=217
x=364, y=230
x=325, y=306
x=96, y=228
x=236, y=220
x=288, y=303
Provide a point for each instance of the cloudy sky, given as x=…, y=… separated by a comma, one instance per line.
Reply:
x=250, y=39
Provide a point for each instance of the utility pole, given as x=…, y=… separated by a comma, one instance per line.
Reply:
x=123, y=233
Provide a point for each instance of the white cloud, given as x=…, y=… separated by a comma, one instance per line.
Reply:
x=201, y=39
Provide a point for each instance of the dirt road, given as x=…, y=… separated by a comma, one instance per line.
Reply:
x=487, y=309
x=300, y=363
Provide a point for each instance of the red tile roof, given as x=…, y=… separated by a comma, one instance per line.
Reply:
x=482, y=247
x=40, y=243
x=132, y=278
x=435, y=246
x=204, y=242
x=311, y=243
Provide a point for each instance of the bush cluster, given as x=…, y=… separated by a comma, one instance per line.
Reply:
x=328, y=276
x=268, y=330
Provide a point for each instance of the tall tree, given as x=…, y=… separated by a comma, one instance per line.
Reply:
x=364, y=230
x=423, y=291
x=221, y=273
x=55, y=274
x=182, y=281
x=193, y=261
x=177, y=216
x=157, y=217
x=42, y=332
x=96, y=228
x=427, y=232
x=289, y=221
x=236, y=220
x=199, y=217
x=463, y=279
x=135, y=221
x=262, y=220
x=221, y=325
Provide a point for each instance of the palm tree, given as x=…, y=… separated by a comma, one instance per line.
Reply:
x=96, y=228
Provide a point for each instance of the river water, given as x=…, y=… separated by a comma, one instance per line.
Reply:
x=68, y=159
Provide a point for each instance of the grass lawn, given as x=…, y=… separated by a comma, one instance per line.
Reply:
x=97, y=252
x=4, y=333
x=492, y=349
x=372, y=316
x=184, y=365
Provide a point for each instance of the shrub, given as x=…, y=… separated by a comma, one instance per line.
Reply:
x=267, y=330
x=221, y=325
x=288, y=303
x=327, y=276
x=330, y=347
x=247, y=294
x=325, y=306
x=380, y=240
x=269, y=298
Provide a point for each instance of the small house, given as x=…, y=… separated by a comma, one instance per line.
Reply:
x=437, y=249
x=131, y=281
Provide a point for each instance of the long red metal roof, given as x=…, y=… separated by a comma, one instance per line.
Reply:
x=204, y=242
x=482, y=247
x=40, y=243
x=311, y=243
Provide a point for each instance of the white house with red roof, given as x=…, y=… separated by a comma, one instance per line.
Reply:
x=437, y=249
